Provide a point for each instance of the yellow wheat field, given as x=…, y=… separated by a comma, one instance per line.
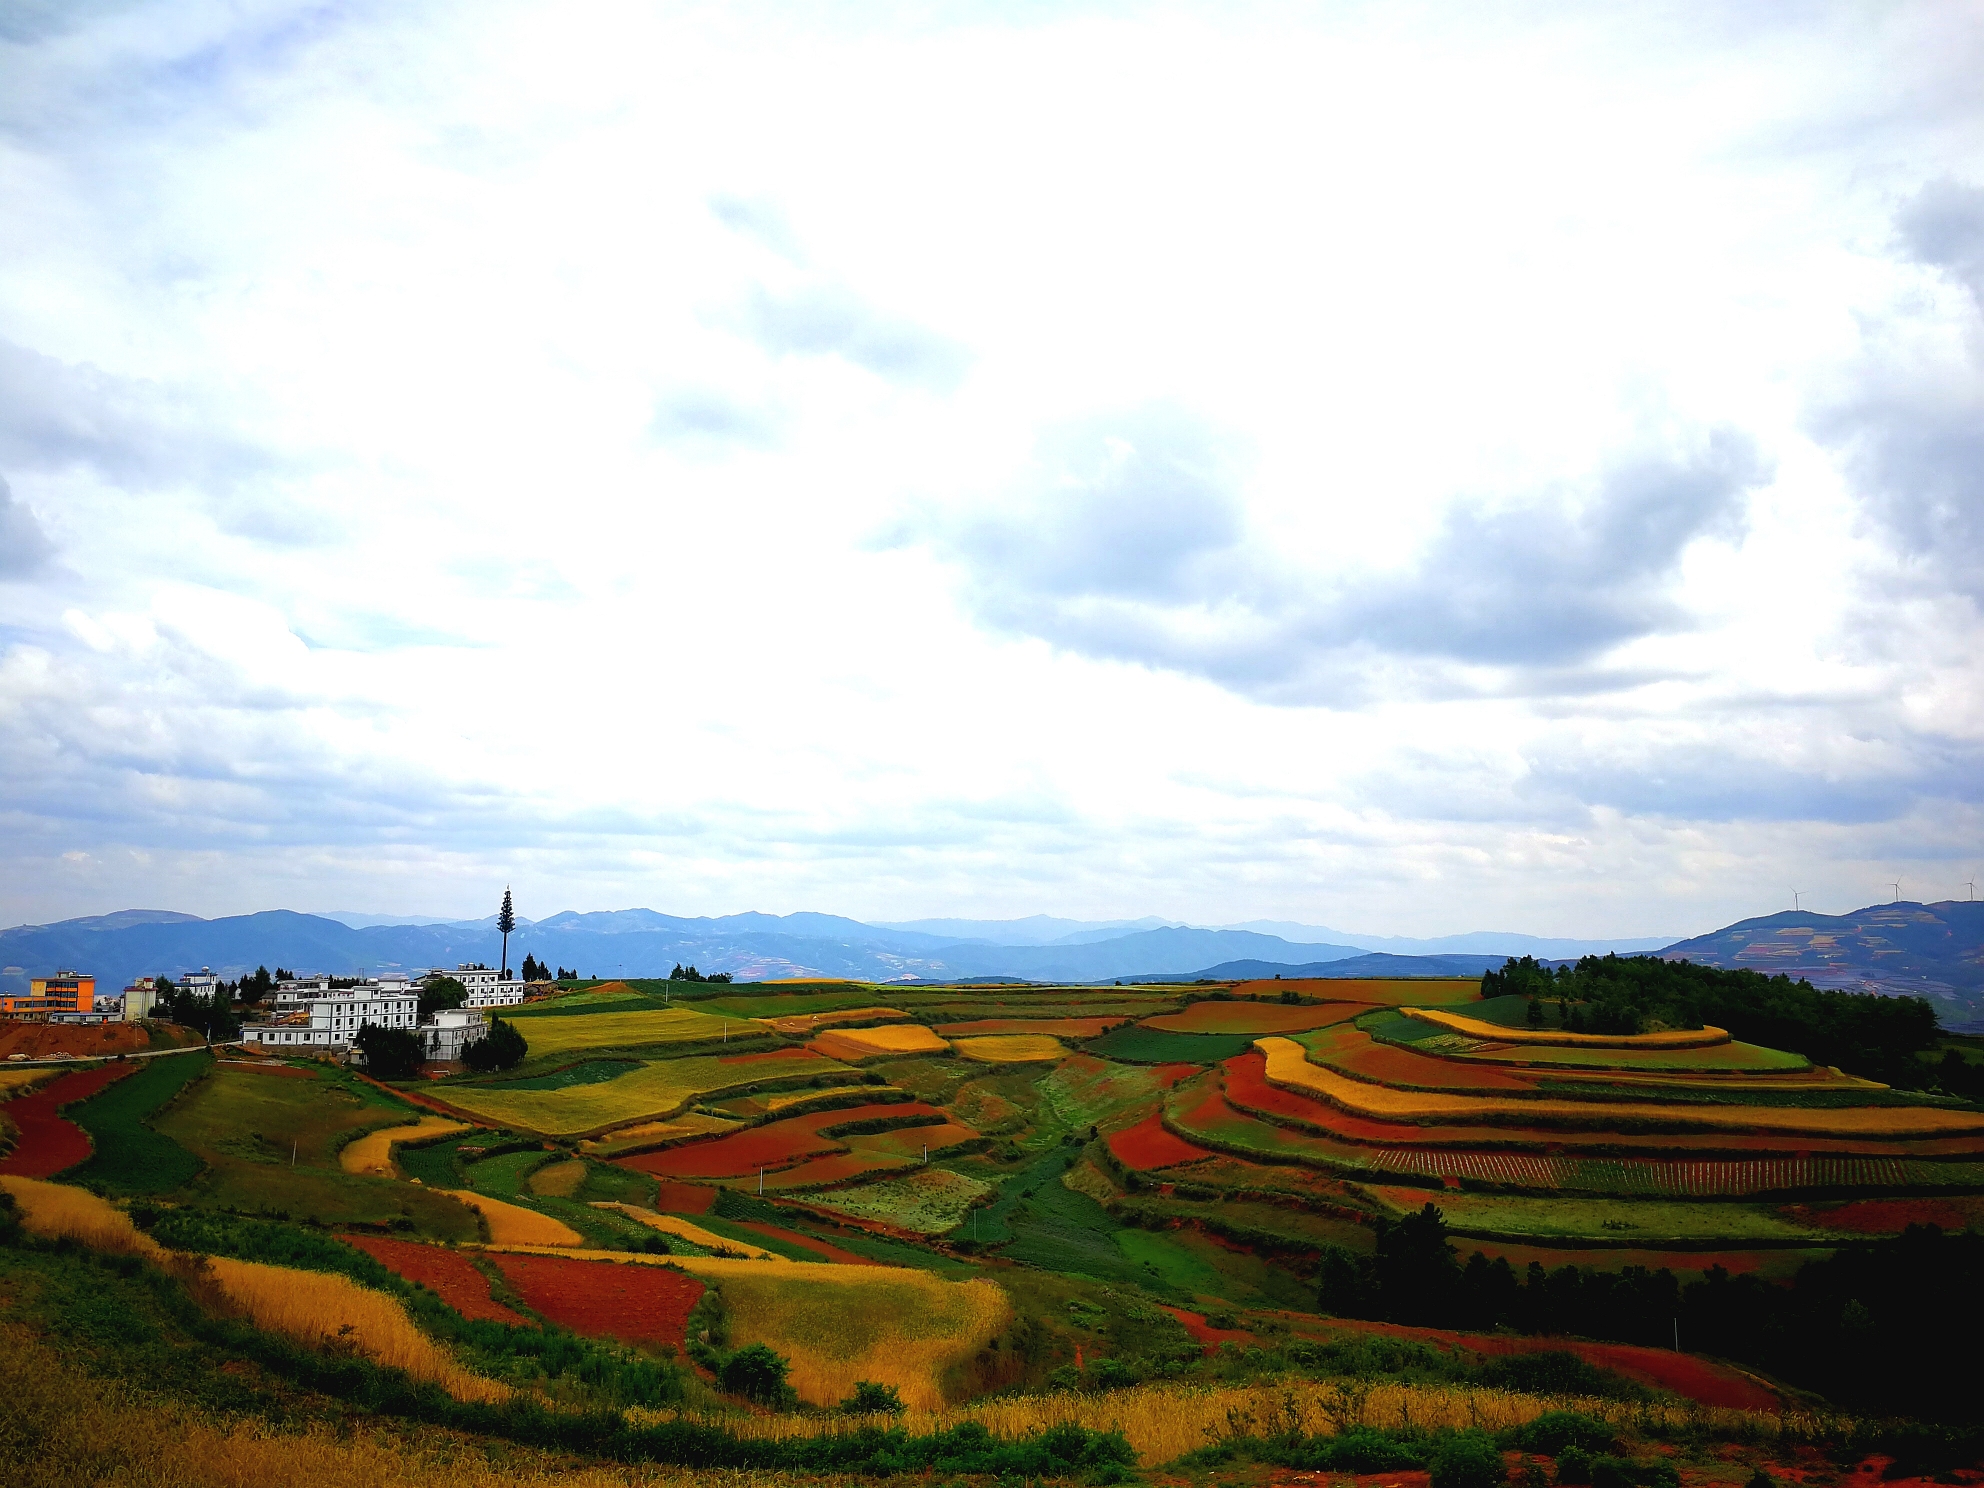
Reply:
x=695, y=1234
x=324, y=1311
x=512, y=1224
x=873, y=1043
x=1011, y=1048
x=54, y=1211
x=561, y=1180
x=1670, y=1038
x=373, y=1152
x=1164, y=1421
x=1288, y=1064
x=18, y=1081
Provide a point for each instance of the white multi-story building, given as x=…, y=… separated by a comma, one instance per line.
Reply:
x=451, y=1031
x=485, y=986
x=322, y=1018
x=138, y=1001
x=202, y=984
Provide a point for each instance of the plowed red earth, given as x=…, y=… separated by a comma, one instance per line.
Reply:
x=447, y=1273
x=1211, y=1337
x=83, y=1040
x=1356, y=1053
x=1147, y=1145
x=48, y=1141
x=683, y=1198
x=777, y=1144
x=629, y=1301
x=1168, y=1075
x=1892, y=1216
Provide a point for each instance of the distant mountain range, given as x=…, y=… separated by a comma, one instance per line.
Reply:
x=1934, y=950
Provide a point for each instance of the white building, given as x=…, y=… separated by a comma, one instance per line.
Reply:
x=486, y=987
x=319, y=1017
x=138, y=1001
x=202, y=984
x=451, y=1031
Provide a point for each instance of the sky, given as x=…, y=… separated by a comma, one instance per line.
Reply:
x=1411, y=469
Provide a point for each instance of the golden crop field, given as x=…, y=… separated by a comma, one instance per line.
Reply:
x=373, y=1152
x=647, y=1134
x=512, y=1224
x=1011, y=1048
x=317, y=1308
x=1670, y=1038
x=650, y=1092
x=561, y=1034
x=54, y=1211
x=874, y=1043
x=1287, y=1065
x=791, y=1098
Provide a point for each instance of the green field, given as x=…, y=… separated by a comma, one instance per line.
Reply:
x=131, y=1156
x=1137, y=1045
x=565, y=1032
x=1635, y=1222
x=646, y=1092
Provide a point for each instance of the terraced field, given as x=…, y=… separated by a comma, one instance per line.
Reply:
x=644, y=1092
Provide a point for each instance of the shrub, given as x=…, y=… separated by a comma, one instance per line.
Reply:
x=1554, y=1431
x=756, y=1373
x=1467, y=1459
x=390, y=1053
x=870, y=1399
x=500, y=1049
x=1616, y=1472
x=1574, y=1466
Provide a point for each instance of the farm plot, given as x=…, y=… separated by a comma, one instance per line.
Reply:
x=647, y=1136
x=373, y=1152
x=891, y=1040
x=1288, y=1066
x=1255, y=1017
x=1476, y=1028
x=778, y=1144
x=1143, y=1045
x=1074, y=1028
x=1650, y=1223
x=647, y=1306
x=1732, y=1057
x=840, y=1324
x=1011, y=1048
x=1890, y=1216
x=928, y=1201
x=1148, y=1146
x=879, y=1152
x=47, y=1141
x=695, y=1234
x=512, y=1224
x=648, y=1092
x=565, y=1033
x=449, y=1274
x=805, y=1023
x=1355, y=1053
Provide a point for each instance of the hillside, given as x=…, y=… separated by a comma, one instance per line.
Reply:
x=1922, y=950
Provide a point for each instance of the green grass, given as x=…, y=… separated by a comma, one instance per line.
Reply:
x=506, y=1175
x=1155, y=1046
x=270, y=1146
x=131, y=1157
x=616, y=1185
x=648, y=1091
x=1648, y=1223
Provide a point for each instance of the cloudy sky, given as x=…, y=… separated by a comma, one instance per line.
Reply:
x=1406, y=469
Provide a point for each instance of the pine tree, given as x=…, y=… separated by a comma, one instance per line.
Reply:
x=506, y=921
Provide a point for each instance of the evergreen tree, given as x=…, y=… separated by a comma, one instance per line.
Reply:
x=506, y=921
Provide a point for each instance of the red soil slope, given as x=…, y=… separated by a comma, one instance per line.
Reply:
x=447, y=1273
x=49, y=1142
x=1147, y=1145
x=629, y=1301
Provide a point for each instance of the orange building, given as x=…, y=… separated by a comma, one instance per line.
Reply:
x=65, y=992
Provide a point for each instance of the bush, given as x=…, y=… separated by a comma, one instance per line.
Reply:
x=1616, y=1472
x=500, y=1049
x=1467, y=1459
x=390, y=1053
x=756, y=1373
x=1574, y=1466
x=1554, y=1431
x=870, y=1399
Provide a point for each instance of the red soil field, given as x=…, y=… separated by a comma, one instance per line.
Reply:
x=1892, y=1216
x=776, y=1144
x=772, y=1056
x=1168, y=1075
x=1148, y=1145
x=629, y=1301
x=1210, y=1337
x=84, y=1040
x=821, y=1172
x=1077, y=1028
x=49, y=1142
x=820, y=1247
x=683, y=1198
x=1247, y=1087
x=447, y=1273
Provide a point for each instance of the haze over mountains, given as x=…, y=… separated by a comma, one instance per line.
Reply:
x=1931, y=950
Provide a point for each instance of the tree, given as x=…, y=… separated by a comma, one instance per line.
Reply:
x=871, y=1399
x=254, y=988
x=1415, y=1270
x=500, y=1049
x=756, y=1373
x=438, y=993
x=390, y=1053
x=506, y=921
x=535, y=970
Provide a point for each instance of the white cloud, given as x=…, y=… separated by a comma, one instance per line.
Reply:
x=1416, y=479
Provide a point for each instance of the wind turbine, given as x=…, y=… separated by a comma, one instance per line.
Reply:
x=1796, y=894
x=1897, y=893
x=1969, y=889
